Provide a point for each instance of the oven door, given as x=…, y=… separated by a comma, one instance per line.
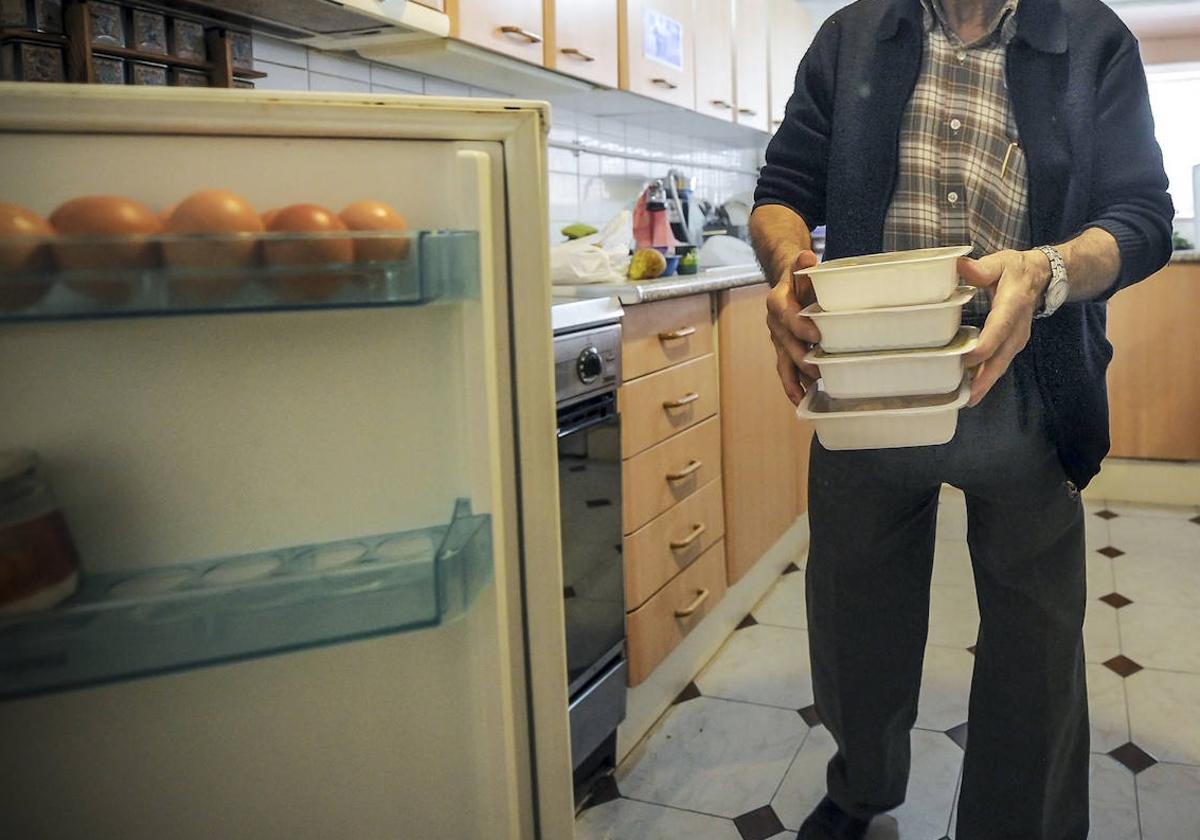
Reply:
x=589, y=475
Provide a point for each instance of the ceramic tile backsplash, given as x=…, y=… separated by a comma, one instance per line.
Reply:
x=597, y=165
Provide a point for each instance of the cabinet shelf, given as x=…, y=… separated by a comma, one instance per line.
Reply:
x=208, y=274
x=121, y=625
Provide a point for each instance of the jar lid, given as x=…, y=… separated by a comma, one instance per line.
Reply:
x=15, y=463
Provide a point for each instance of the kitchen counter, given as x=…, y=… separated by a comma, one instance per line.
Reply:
x=710, y=280
x=1186, y=256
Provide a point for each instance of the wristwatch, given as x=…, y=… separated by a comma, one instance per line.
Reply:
x=1059, y=289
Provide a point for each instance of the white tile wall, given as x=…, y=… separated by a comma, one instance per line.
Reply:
x=597, y=166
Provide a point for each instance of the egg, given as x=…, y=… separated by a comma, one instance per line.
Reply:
x=318, y=251
x=213, y=265
x=269, y=216
x=111, y=265
x=376, y=216
x=24, y=257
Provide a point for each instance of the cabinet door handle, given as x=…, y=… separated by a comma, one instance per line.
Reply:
x=720, y=103
x=749, y=112
x=674, y=335
x=701, y=597
x=523, y=34
x=686, y=471
x=577, y=54
x=686, y=399
x=697, y=530
x=664, y=83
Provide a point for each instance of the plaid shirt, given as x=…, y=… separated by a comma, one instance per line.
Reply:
x=962, y=178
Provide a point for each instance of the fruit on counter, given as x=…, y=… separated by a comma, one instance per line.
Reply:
x=315, y=285
x=376, y=216
x=106, y=216
x=578, y=231
x=647, y=264
x=23, y=255
x=211, y=212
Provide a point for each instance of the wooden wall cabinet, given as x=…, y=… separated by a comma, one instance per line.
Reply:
x=764, y=452
x=714, y=58
x=512, y=27
x=582, y=39
x=789, y=35
x=750, y=68
x=657, y=50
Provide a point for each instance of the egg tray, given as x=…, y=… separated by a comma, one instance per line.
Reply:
x=437, y=265
x=128, y=624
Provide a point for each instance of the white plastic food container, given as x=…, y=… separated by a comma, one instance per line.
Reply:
x=893, y=328
x=887, y=423
x=901, y=278
x=895, y=373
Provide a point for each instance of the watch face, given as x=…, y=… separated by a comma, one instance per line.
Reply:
x=1056, y=296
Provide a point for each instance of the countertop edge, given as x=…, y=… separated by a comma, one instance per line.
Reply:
x=717, y=280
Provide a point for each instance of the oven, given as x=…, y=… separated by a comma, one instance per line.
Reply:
x=587, y=375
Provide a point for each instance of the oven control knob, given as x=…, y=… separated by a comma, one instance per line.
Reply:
x=589, y=365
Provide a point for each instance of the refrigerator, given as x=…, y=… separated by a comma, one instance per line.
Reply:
x=320, y=592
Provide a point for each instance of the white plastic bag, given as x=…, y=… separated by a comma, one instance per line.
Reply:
x=602, y=257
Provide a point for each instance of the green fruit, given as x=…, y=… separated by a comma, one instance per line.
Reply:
x=647, y=264
x=578, y=231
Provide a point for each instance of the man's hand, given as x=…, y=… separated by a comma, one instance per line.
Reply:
x=1015, y=281
x=792, y=333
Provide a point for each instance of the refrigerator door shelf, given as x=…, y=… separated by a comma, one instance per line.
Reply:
x=207, y=274
x=130, y=624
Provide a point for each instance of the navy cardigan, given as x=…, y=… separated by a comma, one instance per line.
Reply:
x=1079, y=98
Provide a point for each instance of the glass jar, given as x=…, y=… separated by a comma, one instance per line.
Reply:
x=38, y=563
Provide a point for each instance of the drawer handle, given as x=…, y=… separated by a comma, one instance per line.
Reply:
x=522, y=34
x=697, y=530
x=664, y=83
x=675, y=335
x=701, y=597
x=749, y=112
x=577, y=54
x=686, y=471
x=720, y=103
x=687, y=399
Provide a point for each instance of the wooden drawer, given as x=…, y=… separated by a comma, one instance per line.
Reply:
x=657, y=335
x=658, y=626
x=659, y=550
x=666, y=474
x=658, y=406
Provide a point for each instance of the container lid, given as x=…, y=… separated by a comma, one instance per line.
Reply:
x=15, y=463
x=964, y=342
x=961, y=297
x=921, y=255
x=818, y=405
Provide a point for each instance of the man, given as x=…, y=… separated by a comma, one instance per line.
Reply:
x=1010, y=125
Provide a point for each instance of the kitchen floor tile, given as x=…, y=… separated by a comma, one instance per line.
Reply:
x=954, y=808
x=625, y=819
x=784, y=605
x=714, y=756
x=1137, y=510
x=1158, y=536
x=1097, y=534
x=952, y=518
x=1113, y=806
x=1164, y=715
x=761, y=664
x=936, y=765
x=804, y=785
x=952, y=564
x=1153, y=579
x=1106, y=709
x=953, y=616
x=945, y=687
x=1101, y=639
x=1160, y=636
x=1099, y=575
x=1167, y=797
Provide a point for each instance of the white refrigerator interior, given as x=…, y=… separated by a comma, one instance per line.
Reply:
x=173, y=439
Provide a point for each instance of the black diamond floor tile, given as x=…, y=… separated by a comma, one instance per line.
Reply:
x=792, y=567
x=809, y=713
x=958, y=735
x=748, y=621
x=1106, y=514
x=1133, y=757
x=1111, y=552
x=1195, y=520
x=1122, y=666
x=971, y=650
x=758, y=824
x=690, y=692
x=1116, y=600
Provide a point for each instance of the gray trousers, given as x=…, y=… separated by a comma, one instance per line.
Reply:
x=873, y=517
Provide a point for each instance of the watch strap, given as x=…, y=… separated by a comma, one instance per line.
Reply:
x=1058, y=276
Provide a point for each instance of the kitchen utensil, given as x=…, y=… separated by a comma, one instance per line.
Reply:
x=901, y=278
x=884, y=423
x=891, y=328
x=895, y=373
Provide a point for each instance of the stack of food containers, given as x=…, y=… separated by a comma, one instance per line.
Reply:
x=892, y=349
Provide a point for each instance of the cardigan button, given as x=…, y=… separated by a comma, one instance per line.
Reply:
x=1072, y=490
